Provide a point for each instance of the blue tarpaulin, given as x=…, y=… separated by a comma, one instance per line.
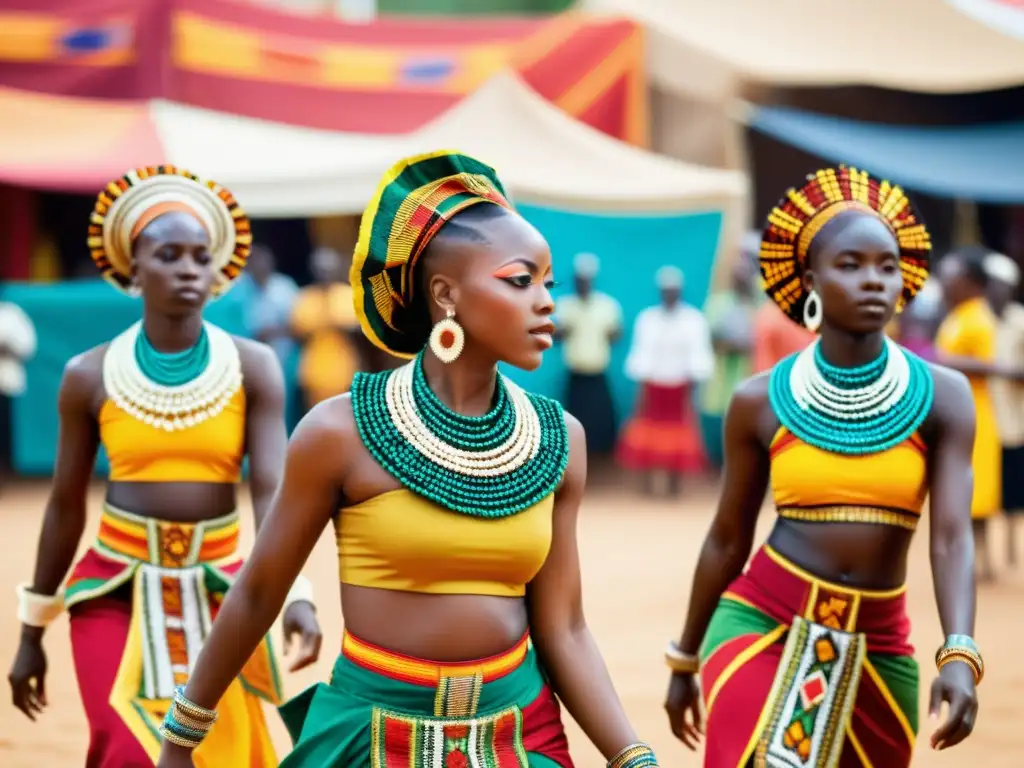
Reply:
x=984, y=163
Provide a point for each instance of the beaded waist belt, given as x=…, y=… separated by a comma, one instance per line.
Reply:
x=432, y=673
x=844, y=513
x=164, y=543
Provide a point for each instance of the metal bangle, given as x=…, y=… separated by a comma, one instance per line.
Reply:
x=681, y=662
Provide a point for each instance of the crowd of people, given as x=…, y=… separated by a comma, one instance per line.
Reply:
x=454, y=494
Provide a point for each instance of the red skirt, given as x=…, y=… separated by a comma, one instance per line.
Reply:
x=664, y=433
x=797, y=671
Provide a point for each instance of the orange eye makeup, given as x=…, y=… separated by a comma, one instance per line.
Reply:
x=512, y=270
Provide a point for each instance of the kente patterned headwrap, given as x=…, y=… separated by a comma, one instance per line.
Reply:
x=414, y=200
x=126, y=205
x=801, y=215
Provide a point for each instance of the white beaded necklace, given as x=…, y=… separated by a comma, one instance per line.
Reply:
x=172, y=408
x=812, y=391
x=521, y=446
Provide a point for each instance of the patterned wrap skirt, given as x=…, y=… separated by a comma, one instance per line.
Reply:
x=142, y=600
x=385, y=710
x=800, y=672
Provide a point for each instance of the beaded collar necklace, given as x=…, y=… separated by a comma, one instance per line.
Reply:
x=172, y=391
x=487, y=466
x=855, y=411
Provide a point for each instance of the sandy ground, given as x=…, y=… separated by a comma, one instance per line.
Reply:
x=637, y=557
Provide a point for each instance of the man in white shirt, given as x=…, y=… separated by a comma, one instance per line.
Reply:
x=589, y=323
x=1008, y=391
x=17, y=344
x=670, y=354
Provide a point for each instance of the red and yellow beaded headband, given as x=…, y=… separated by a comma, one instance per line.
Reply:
x=126, y=205
x=801, y=215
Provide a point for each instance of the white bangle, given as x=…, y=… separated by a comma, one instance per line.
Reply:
x=302, y=590
x=35, y=610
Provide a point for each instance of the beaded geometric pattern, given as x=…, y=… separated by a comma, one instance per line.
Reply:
x=812, y=697
x=406, y=741
x=417, y=197
x=114, y=267
x=801, y=214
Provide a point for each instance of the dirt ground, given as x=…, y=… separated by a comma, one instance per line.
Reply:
x=638, y=558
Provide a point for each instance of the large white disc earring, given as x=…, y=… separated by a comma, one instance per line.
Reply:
x=812, y=311
x=134, y=291
x=447, y=339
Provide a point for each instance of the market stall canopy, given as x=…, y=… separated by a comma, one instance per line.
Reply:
x=390, y=76
x=714, y=48
x=984, y=163
x=547, y=157
x=276, y=170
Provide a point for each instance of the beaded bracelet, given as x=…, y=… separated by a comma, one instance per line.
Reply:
x=186, y=723
x=961, y=648
x=679, y=661
x=637, y=755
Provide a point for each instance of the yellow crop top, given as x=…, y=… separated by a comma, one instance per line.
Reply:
x=210, y=452
x=887, y=488
x=402, y=541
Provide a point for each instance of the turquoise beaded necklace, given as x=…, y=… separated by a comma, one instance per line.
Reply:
x=853, y=411
x=172, y=369
x=491, y=496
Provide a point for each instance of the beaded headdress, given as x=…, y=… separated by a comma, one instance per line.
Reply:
x=416, y=197
x=801, y=215
x=126, y=205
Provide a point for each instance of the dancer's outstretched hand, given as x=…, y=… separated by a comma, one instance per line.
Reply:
x=955, y=686
x=683, y=705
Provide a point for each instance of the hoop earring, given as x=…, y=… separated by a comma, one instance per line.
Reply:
x=812, y=311
x=447, y=338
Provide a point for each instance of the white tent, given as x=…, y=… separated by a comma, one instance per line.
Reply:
x=543, y=156
x=709, y=49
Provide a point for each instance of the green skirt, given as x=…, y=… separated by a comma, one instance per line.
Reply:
x=375, y=713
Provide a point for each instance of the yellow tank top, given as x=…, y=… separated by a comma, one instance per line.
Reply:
x=210, y=452
x=402, y=541
x=811, y=484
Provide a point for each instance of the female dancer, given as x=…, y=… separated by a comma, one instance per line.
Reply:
x=459, y=495
x=805, y=658
x=177, y=403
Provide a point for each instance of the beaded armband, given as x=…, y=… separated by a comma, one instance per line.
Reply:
x=186, y=724
x=680, y=662
x=637, y=755
x=961, y=648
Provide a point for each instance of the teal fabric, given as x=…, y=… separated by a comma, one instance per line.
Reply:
x=70, y=318
x=631, y=250
x=330, y=723
x=711, y=426
x=964, y=162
